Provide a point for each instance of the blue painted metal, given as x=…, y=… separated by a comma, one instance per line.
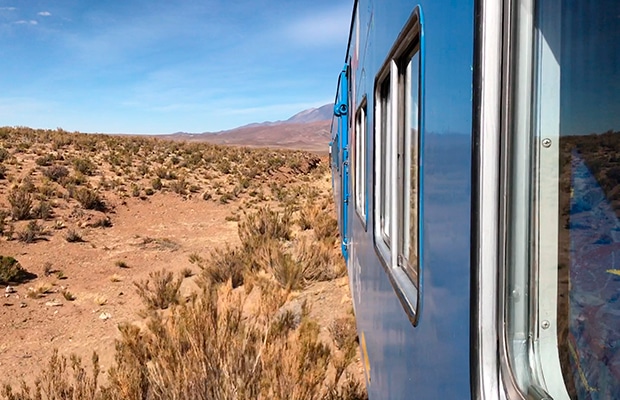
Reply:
x=341, y=113
x=431, y=360
x=422, y=164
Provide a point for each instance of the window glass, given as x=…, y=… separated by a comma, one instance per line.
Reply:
x=563, y=259
x=410, y=245
x=397, y=157
x=589, y=206
x=360, y=162
x=385, y=137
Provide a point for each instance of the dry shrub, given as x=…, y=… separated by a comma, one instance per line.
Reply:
x=84, y=166
x=54, y=384
x=32, y=232
x=163, y=292
x=326, y=228
x=265, y=224
x=56, y=173
x=3, y=215
x=317, y=261
x=344, y=334
x=89, y=199
x=273, y=258
x=21, y=203
x=308, y=216
x=43, y=211
x=179, y=186
x=225, y=265
x=207, y=349
x=73, y=236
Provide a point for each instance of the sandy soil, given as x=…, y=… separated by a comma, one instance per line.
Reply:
x=147, y=234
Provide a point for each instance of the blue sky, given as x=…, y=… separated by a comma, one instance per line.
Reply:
x=161, y=66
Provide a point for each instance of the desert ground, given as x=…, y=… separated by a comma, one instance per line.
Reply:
x=103, y=232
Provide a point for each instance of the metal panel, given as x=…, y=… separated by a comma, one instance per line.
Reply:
x=432, y=360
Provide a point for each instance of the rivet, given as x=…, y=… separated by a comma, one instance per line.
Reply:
x=545, y=324
x=546, y=142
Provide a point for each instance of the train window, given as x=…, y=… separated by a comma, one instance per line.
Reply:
x=383, y=165
x=396, y=164
x=408, y=166
x=359, y=163
x=562, y=274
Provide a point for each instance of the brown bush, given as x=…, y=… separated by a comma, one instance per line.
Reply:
x=21, y=203
x=163, y=292
x=89, y=199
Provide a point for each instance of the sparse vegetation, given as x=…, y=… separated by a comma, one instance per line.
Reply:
x=12, y=272
x=21, y=203
x=160, y=291
x=32, y=232
x=56, y=173
x=89, y=199
x=68, y=295
x=234, y=336
x=73, y=236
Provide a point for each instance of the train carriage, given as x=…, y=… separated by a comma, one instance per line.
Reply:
x=475, y=158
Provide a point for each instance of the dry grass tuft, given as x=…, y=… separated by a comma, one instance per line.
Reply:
x=160, y=291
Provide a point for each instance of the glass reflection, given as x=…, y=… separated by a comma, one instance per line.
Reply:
x=589, y=242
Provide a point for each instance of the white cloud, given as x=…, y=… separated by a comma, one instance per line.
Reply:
x=24, y=22
x=44, y=13
x=8, y=8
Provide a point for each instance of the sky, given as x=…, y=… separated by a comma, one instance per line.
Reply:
x=161, y=66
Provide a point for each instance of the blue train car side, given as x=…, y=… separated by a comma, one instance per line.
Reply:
x=462, y=139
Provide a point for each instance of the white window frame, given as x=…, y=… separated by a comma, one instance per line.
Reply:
x=360, y=161
x=393, y=161
x=384, y=169
x=529, y=347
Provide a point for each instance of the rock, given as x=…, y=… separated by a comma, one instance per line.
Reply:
x=294, y=308
x=9, y=290
x=105, y=316
x=23, y=305
x=54, y=303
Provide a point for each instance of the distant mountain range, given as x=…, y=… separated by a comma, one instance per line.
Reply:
x=323, y=113
x=306, y=130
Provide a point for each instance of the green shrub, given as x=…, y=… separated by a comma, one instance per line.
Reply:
x=84, y=166
x=89, y=199
x=156, y=183
x=12, y=272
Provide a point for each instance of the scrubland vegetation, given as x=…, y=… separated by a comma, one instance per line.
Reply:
x=242, y=332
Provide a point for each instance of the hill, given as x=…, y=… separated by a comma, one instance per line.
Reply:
x=307, y=130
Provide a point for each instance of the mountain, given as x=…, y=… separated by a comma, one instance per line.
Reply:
x=323, y=113
x=307, y=130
